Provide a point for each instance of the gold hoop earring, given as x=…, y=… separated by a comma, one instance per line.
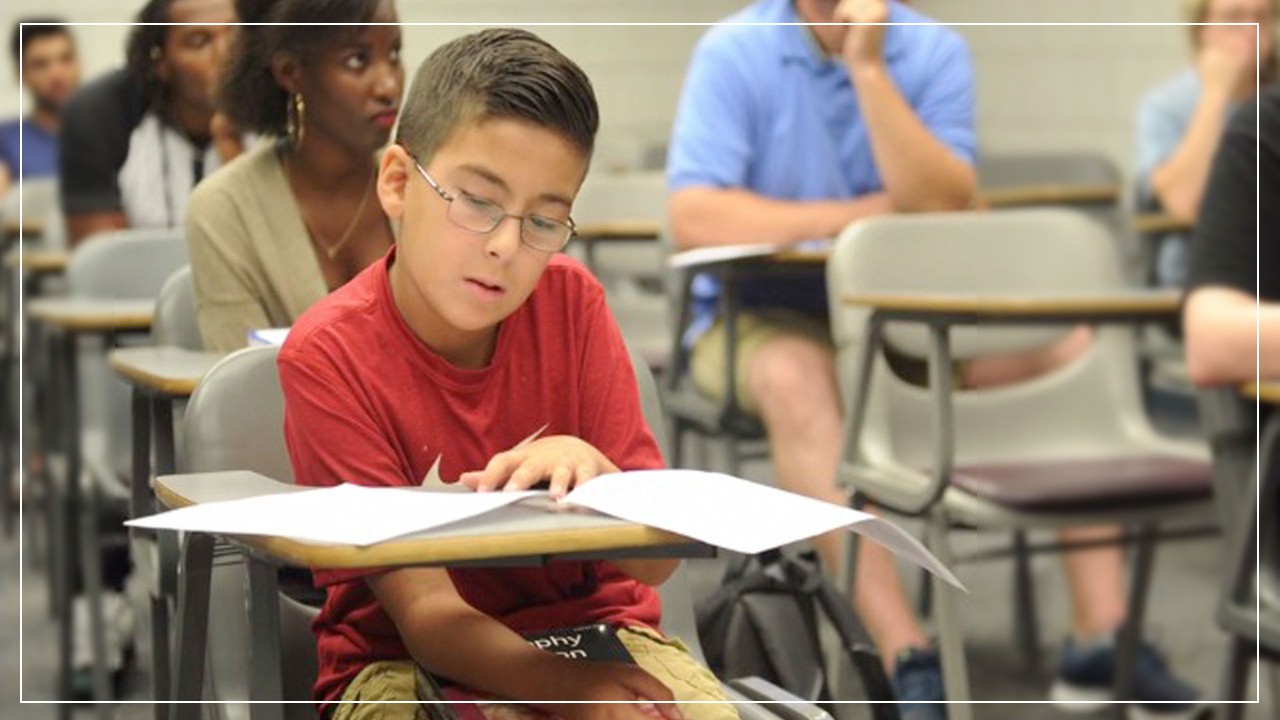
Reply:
x=295, y=112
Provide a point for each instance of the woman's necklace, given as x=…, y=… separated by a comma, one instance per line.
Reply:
x=331, y=250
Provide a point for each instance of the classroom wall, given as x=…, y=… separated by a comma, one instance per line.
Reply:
x=1039, y=88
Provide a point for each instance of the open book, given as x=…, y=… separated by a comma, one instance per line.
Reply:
x=712, y=508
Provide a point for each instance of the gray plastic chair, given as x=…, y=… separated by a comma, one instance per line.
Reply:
x=1229, y=423
x=235, y=421
x=174, y=323
x=1008, y=442
x=125, y=264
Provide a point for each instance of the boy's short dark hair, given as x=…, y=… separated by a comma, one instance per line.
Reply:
x=27, y=29
x=497, y=73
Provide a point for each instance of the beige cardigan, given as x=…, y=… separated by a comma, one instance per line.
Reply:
x=252, y=260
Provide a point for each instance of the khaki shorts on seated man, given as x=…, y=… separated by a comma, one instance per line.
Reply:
x=788, y=133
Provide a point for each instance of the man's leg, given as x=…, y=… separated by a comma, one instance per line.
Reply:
x=792, y=381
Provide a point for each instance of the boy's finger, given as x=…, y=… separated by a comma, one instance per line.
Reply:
x=522, y=478
x=582, y=473
x=498, y=469
x=560, y=479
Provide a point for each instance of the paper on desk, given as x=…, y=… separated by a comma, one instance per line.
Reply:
x=725, y=253
x=344, y=514
x=737, y=514
x=268, y=336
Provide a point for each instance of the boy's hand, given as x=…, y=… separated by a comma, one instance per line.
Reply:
x=564, y=460
x=645, y=698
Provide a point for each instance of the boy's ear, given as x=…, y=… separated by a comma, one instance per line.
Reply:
x=394, y=173
x=287, y=71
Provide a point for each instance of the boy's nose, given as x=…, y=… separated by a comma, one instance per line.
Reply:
x=504, y=241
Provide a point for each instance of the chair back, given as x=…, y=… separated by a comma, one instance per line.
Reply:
x=1089, y=408
x=174, y=323
x=235, y=421
x=1000, y=171
x=126, y=264
x=118, y=265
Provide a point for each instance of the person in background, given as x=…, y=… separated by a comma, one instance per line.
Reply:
x=1180, y=121
x=283, y=225
x=1233, y=283
x=786, y=134
x=44, y=57
x=137, y=140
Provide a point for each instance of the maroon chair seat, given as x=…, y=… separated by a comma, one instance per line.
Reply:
x=1078, y=484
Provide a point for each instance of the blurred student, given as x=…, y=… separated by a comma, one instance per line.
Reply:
x=786, y=134
x=286, y=223
x=136, y=140
x=1233, y=281
x=1181, y=120
x=470, y=335
x=49, y=70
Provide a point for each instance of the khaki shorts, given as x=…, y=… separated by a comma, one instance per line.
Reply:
x=666, y=659
x=755, y=329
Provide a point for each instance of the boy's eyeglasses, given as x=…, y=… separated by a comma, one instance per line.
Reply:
x=481, y=216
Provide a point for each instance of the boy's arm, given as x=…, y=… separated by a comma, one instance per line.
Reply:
x=450, y=638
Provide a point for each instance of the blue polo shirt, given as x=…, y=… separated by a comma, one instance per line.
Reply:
x=764, y=109
x=39, y=149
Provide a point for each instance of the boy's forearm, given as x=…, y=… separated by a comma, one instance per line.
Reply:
x=458, y=642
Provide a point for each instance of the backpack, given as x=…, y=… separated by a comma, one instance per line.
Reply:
x=763, y=622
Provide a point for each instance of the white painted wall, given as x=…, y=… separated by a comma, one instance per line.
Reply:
x=1039, y=88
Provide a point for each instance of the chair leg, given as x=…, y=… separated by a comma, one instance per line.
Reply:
x=732, y=452
x=1026, y=623
x=1130, y=636
x=675, y=442
x=924, y=602
x=1235, y=677
x=91, y=569
x=955, y=673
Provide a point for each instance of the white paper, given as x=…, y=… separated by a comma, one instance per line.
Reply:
x=737, y=514
x=726, y=253
x=268, y=336
x=345, y=514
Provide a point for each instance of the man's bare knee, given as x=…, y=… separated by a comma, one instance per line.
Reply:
x=789, y=371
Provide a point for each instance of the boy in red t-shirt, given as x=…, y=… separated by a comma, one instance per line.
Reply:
x=471, y=335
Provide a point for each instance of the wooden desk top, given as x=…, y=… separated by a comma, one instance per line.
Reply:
x=513, y=532
x=1268, y=392
x=39, y=260
x=85, y=315
x=26, y=229
x=1156, y=303
x=166, y=370
x=622, y=230
x=1029, y=195
x=1160, y=223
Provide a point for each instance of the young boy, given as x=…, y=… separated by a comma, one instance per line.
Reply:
x=467, y=338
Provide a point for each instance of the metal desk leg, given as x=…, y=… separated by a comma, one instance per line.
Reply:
x=69, y=509
x=193, y=626
x=267, y=681
x=1130, y=636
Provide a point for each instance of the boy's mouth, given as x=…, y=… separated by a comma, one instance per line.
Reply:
x=485, y=289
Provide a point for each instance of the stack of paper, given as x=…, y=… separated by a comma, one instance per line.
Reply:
x=713, y=508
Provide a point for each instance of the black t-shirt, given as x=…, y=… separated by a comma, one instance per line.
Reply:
x=116, y=156
x=1238, y=230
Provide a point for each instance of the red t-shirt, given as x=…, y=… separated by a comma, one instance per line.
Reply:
x=366, y=402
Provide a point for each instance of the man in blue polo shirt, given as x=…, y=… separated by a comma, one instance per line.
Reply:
x=788, y=133
x=50, y=71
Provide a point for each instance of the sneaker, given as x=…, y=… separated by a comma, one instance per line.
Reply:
x=1086, y=674
x=917, y=680
x=118, y=624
